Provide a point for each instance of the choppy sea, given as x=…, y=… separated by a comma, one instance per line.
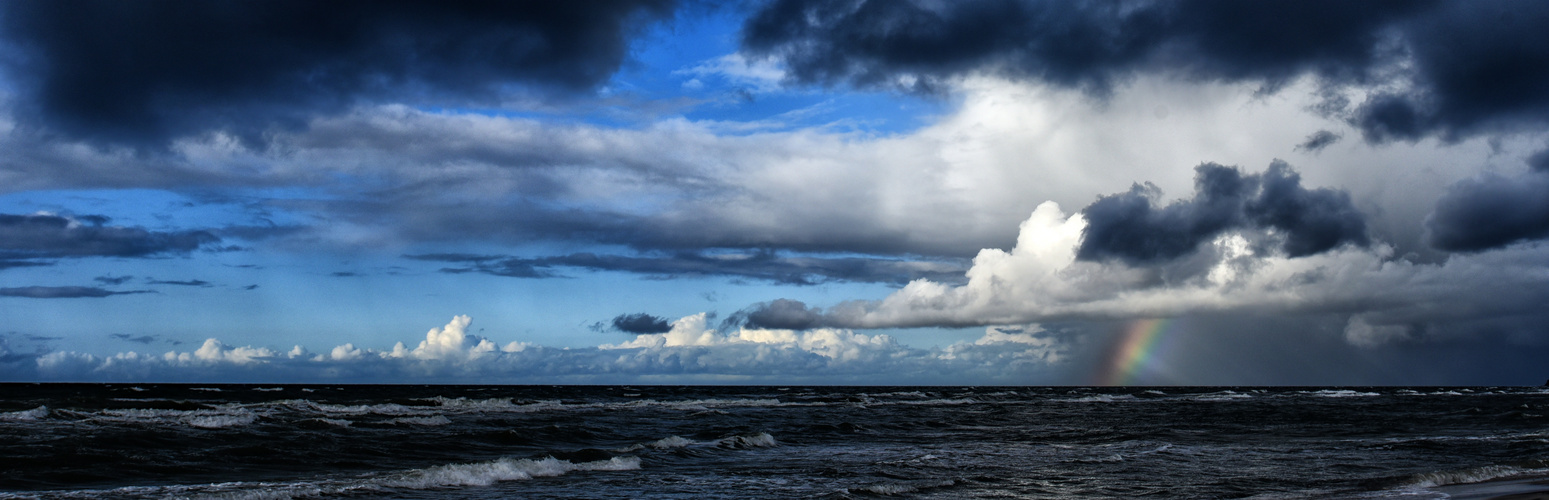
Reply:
x=320, y=441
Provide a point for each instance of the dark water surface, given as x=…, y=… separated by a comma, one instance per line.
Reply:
x=242, y=441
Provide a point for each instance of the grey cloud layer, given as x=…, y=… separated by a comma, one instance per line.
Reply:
x=147, y=72
x=762, y=265
x=1451, y=69
x=56, y=236
x=64, y=292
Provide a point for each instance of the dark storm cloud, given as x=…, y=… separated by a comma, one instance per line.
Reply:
x=780, y=314
x=1467, y=67
x=1539, y=162
x=62, y=292
x=1092, y=45
x=641, y=323
x=1491, y=211
x=54, y=236
x=1132, y=228
x=760, y=265
x=145, y=72
x=1318, y=140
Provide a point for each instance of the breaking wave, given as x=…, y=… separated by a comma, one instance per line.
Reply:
x=1471, y=475
x=443, y=476
x=25, y=415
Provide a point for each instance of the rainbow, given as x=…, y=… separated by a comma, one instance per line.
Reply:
x=1135, y=349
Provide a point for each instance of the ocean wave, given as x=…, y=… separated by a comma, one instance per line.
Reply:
x=1340, y=393
x=1471, y=475
x=441, y=404
x=932, y=402
x=890, y=489
x=671, y=442
x=1221, y=396
x=443, y=476
x=24, y=415
x=906, y=394
x=760, y=440
x=334, y=422
x=431, y=421
x=218, y=418
x=700, y=404
x=895, y=489
x=220, y=421
x=475, y=404
x=1505, y=436
x=387, y=409
x=748, y=441
x=505, y=469
x=1102, y=398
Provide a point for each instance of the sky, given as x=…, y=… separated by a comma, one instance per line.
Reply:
x=992, y=192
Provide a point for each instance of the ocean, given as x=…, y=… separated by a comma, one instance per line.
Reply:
x=327, y=441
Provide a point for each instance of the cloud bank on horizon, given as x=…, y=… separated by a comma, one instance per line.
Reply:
x=689, y=351
x=1367, y=182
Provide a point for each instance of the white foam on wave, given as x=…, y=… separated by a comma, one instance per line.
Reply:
x=475, y=404
x=505, y=469
x=1342, y=393
x=1222, y=396
x=268, y=389
x=206, y=389
x=389, y=409
x=220, y=421
x=760, y=440
x=698, y=404
x=24, y=415
x=431, y=421
x=205, y=419
x=336, y=422
x=665, y=443
x=671, y=442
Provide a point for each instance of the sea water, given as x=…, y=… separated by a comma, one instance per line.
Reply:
x=322, y=441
